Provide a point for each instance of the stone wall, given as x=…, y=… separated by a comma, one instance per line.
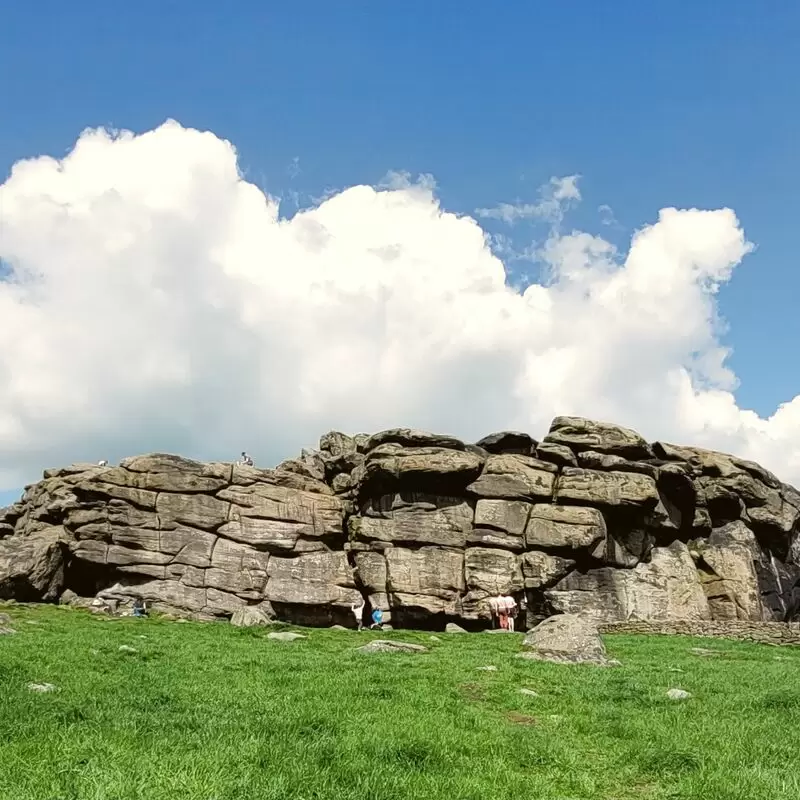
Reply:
x=591, y=520
x=777, y=633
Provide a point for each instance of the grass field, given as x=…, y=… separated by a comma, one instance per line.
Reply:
x=212, y=712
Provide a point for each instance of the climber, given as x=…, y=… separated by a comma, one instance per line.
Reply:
x=245, y=460
x=102, y=463
x=139, y=608
x=377, y=618
x=358, y=613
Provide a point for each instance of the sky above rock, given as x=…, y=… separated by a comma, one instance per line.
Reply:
x=389, y=214
x=158, y=300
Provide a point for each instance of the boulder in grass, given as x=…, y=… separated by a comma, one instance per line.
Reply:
x=250, y=617
x=451, y=627
x=566, y=639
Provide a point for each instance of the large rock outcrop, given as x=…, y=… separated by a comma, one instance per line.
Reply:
x=592, y=520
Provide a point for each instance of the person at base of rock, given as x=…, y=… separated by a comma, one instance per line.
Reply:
x=494, y=611
x=792, y=612
x=501, y=609
x=245, y=460
x=139, y=608
x=511, y=606
x=377, y=618
x=358, y=613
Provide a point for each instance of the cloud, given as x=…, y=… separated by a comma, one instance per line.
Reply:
x=159, y=301
x=607, y=215
x=555, y=198
x=401, y=179
x=504, y=248
x=293, y=170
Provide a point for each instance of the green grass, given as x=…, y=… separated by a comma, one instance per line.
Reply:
x=211, y=712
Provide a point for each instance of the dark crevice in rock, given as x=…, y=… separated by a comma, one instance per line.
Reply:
x=315, y=616
x=19, y=588
x=420, y=619
x=774, y=541
x=538, y=607
x=724, y=508
x=679, y=498
x=792, y=606
x=90, y=496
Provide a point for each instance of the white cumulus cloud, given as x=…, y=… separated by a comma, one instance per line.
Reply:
x=158, y=300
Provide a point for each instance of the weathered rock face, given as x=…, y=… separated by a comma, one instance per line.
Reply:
x=566, y=639
x=593, y=521
x=668, y=587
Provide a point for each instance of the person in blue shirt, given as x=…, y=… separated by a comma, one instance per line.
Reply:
x=377, y=618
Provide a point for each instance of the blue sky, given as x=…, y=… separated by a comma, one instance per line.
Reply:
x=654, y=105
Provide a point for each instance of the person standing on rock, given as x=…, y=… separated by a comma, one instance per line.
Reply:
x=358, y=613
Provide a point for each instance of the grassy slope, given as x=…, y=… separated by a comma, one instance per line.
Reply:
x=214, y=712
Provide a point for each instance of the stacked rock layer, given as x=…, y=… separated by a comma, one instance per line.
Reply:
x=592, y=520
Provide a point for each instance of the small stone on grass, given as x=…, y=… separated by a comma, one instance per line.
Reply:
x=42, y=687
x=704, y=651
x=386, y=646
x=529, y=692
x=285, y=636
x=126, y=648
x=678, y=694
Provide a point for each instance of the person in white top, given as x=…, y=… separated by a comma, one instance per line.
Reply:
x=358, y=613
x=245, y=460
x=494, y=610
x=511, y=610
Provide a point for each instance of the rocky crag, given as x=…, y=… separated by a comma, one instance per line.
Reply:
x=592, y=520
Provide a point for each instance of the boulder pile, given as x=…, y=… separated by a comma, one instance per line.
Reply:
x=593, y=520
